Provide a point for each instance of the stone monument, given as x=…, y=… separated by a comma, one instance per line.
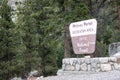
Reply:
x=83, y=36
x=114, y=48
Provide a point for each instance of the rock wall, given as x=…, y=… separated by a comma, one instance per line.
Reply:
x=101, y=64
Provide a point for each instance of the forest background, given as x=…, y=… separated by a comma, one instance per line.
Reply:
x=39, y=37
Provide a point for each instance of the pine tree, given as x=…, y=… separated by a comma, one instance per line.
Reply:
x=68, y=12
x=29, y=38
x=7, y=42
x=42, y=16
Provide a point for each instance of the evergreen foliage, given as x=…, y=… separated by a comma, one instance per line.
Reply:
x=8, y=42
x=39, y=39
x=26, y=26
x=35, y=22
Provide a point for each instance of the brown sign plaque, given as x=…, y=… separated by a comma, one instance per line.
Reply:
x=83, y=36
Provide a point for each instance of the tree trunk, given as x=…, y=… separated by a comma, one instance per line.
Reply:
x=8, y=76
x=67, y=42
x=90, y=7
x=7, y=52
x=119, y=16
x=43, y=61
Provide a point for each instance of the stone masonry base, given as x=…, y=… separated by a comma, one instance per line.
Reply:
x=87, y=64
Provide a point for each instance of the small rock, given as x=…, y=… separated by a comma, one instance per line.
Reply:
x=106, y=67
x=17, y=78
x=98, y=70
x=63, y=61
x=94, y=60
x=103, y=60
x=114, y=48
x=112, y=59
x=66, y=61
x=59, y=72
x=78, y=61
x=117, y=55
x=98, y=65
x=84, y=67
x=116, y=65
x=71, y=61
x=77, y=67
x=94, y=65
x=82, y=60
x=87, y=57
x=69, y=68
x=33, y=73
x=63, y=67
x=89, y=67
x=87, y=60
